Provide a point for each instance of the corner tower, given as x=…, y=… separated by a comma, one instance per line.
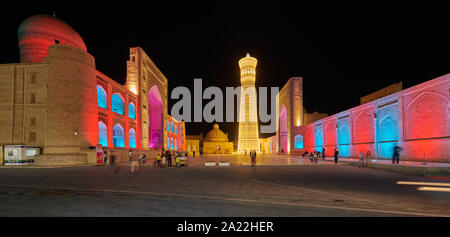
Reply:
x=248, y=119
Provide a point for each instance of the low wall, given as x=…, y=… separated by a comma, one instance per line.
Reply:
x=121, y=154
x=60, y=160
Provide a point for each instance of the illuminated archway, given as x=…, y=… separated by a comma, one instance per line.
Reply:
x=283, y=130
x=132, y=138
x=344, y=140
x=387, y=136
x=155, y=113
x=318, y=138
x=298, y=141
x=102, y=134
x=131, y=111
x=117, y=103
x=118, y=136
x=101, y=97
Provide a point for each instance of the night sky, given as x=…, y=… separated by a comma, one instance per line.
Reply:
x=343, y=52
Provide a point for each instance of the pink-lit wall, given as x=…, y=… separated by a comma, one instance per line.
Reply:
x=416, y=119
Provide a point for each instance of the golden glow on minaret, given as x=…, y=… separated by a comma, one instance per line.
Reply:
x=248, y=119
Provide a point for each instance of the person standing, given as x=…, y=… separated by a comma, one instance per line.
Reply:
x=158, y=160
x=130, y=156
x=336, y=155
x=169, y=159
x=396, y=155
x=105, y=157
x=254, y=158
x=251, y=157
x=323, y=152
x=193, y=153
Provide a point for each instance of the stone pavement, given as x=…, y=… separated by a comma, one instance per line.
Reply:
x=408, y=167
x=261, y=160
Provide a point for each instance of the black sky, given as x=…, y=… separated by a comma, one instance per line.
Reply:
x=342, y=51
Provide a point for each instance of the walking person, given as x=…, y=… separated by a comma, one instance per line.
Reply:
x=193, y=153
x=361, y=158
x=144, y=158
x=336, y=155
x=366, y=161
x=112, y=163
x=323, y=152
x=141, y=160
x=396, y=155
x=254, y=158
x=134, y=163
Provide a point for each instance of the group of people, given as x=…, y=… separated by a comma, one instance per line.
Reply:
x=317, y=154
x=313, y=156
x=136, y=160
x=164, y=157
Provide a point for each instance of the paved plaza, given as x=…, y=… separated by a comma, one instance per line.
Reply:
x=293, y=187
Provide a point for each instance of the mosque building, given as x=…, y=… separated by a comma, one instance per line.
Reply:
x=57, y=100
x=216, y=142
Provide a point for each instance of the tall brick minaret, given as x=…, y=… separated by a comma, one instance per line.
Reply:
x=248, y=117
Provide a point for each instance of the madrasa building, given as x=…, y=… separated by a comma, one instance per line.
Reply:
x=55, y=99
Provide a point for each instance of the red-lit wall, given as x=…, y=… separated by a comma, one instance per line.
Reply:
x=416, y=119
x=110, y=118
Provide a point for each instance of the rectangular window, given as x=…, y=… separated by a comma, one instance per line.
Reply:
x=32, y=98
x=32, y=137
x=33, y=121
x=33, y=78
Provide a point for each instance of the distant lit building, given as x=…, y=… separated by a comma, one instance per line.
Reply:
x=216, y=142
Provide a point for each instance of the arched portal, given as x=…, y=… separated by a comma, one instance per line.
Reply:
x=102, y=134
x=283, y=130
x=131, y=111
x=132, y=138
x=118, y=136
x=117, y=103
x=101, y=97
x=298, y=141
x=155, y=117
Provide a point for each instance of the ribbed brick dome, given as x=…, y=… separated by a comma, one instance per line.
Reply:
x=38, y=32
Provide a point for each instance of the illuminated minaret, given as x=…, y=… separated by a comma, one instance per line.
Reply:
x=248, y=116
